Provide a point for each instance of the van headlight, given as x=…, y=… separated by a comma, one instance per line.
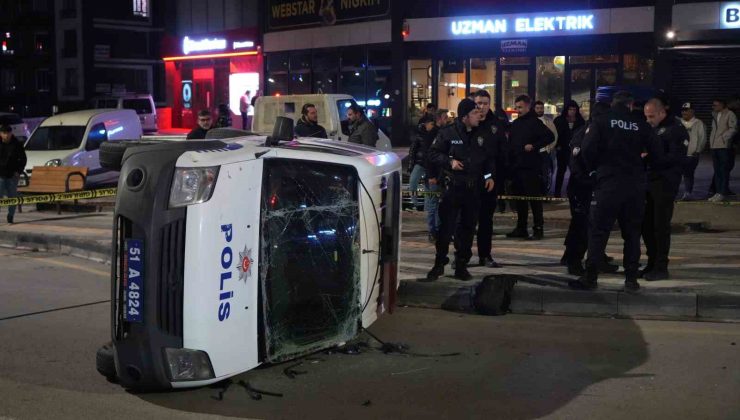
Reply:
x=192, y=185
x=54, y=162
x=188, y=365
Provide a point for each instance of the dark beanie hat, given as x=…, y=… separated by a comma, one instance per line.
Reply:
x=464, y=107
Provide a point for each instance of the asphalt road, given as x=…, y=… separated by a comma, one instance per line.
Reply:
x=54, y=315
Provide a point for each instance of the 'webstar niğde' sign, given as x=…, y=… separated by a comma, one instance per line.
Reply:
x=297, y=13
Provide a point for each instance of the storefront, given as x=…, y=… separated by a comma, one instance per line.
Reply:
x=206, y=71
x=551, y=56
x=704, y=54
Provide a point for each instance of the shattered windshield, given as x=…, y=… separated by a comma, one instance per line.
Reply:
x=310, y=248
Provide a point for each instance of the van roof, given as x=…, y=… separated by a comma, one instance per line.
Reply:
x=80, y=117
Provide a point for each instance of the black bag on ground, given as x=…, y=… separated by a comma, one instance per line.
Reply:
x=493, y=295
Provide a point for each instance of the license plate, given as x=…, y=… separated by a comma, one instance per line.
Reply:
x=133, y=281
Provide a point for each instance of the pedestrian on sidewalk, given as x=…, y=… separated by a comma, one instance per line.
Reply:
x=245, y=101
x=493, y=132
x=569, y=121
x=697, y=142
x=425, y=134
x=548, y=152
x=580, y=191
x=466, y=167
x=528, y=136
x=12, y=164
x=724, y=127
x=431, y=200
x=205, y=122
x=613, y=147
x=664, y=178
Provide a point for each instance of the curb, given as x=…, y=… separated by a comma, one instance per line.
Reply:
x=94, y=250
x=599, y=303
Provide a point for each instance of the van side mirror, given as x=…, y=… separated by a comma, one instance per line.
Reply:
x=283, y=131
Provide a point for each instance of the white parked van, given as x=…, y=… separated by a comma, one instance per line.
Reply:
x=332, y=110
x=73, y=139
x=142, y=104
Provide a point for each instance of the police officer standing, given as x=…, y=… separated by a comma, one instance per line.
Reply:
x=613, y=147
x=465, y=167
x=493, y=132
x=664, y=179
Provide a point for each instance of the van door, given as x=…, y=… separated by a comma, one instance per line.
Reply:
x=90, y=157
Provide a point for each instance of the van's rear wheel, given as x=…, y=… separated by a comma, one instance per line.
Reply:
x=111, y=152
x=105, y=362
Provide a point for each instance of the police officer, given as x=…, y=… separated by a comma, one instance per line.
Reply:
x=466, y=167
x=528, y=136
x=664, y=179
x=493, y=132
x=614, y=147
x=580, y=190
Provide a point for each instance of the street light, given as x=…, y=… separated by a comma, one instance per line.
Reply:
x=670, y=34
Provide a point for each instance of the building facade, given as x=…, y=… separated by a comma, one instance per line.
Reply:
x=27, y=65
x=395, y=57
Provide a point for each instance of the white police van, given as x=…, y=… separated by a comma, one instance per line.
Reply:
x=235, y=253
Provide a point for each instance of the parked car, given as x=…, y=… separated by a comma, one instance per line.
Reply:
x=20, y=128
x=143, y=104
x=332, y=110
x=74, y=139
x=234, y=253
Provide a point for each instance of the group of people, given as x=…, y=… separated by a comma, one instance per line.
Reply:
x=626, y=164
x=361, y=129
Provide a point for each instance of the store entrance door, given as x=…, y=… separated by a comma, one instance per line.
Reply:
x=203, y=89
x=585, y=81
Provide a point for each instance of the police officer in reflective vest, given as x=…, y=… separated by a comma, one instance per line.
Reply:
x=663, y=182
x=614, y=147
x=466, y=167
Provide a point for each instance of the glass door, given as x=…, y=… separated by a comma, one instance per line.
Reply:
x=514, y=82
x=582, y=89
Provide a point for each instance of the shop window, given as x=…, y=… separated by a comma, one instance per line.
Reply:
x=7, y=80
x=325, y=60
x=300, y=62
x=141, y=8
x=353, y=58
x=550, y=87
x=483, y=75
x=515, y=61
x=378, y=85
x=638, y=70
x=300, y=83
x=593, y=59
x=277, y=83
x=353, y=73
x=581, y=87
x=277, y=62
x=514, y=83
x=325, y=82
x=452, y=88
x=420, y=87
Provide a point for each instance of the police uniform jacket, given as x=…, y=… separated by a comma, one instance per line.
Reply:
x=612, y=146
x=470, y=148
x=579, y=174
x=528, y=129
x=674, y=140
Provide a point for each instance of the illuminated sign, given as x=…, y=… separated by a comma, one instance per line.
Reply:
x=237, y=45
x=729, y=16
x=190, y=45
x=187, y=93
x=523, y=25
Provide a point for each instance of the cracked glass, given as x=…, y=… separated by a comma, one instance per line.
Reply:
x=310, y=256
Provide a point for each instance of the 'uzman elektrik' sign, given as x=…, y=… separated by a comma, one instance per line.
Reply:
x=523, y=25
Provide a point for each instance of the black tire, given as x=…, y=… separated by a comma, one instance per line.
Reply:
x=111, y=152
x=105, y=362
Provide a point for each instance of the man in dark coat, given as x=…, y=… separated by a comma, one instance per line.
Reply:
x=308, y=125
x=205, y=123
x=569, y=121
x=528, y=136
x=12, y=164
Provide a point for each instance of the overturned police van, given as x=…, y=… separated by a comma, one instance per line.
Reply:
x=249, y=250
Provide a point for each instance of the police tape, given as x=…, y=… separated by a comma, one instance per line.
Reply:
x=565, y=199
x=56, y=197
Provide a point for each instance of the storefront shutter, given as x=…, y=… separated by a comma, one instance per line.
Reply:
x=701, y=76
